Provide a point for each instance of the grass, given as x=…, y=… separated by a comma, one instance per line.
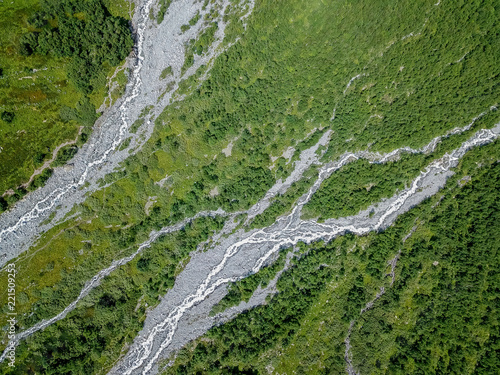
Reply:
x=191, y=23
x=166, y=72
x=34, y=88
x=121, y=8
x=119, y=83
x=164, y=5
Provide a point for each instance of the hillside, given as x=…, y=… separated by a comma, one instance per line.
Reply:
x=284, y=187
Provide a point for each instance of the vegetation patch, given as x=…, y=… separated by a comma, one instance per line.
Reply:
x=108, y=319
x=166, y=72
x=199, y=45
x=118, y=85
x=85, y=32
x=192, y=22
x=164, y=4
x=64, y=155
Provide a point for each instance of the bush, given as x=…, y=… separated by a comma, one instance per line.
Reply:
x=97, y=39
x=39, y=158
x=3, y=204
x=7, y=116
x=41, y=179
x=64, y=155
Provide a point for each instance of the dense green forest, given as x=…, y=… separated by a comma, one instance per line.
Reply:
x=85, y=31
x=55, y=59
x=439, y=316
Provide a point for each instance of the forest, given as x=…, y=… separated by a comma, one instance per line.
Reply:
x=85, y=31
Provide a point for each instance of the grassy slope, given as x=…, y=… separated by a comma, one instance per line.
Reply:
x=281, y=80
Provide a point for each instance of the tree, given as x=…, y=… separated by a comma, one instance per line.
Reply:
x=7, y=116
x=3, y=204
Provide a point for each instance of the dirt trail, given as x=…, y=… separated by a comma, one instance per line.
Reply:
x=54, y=155
x=47, y=163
